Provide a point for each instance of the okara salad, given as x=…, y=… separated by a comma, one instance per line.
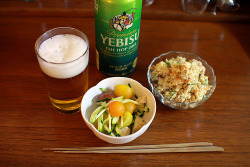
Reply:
x=180, y=80
x=119, y=113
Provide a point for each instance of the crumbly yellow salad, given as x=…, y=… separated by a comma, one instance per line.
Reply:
x=180, y=80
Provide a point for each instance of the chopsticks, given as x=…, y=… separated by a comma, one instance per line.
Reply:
x=162, y=148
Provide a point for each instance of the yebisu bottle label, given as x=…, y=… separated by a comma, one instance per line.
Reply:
x=117, y=30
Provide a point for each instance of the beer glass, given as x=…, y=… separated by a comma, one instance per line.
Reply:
x=63, y=56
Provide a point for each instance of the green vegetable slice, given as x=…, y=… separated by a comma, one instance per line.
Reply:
x=120, y=99
x=173, y=93
x=100, y=113
x=121, y=122
x=103, y=90
x=100, y=123
x=95, y=113
x=168, y=63
x=129, y=100
x=115, y=120
x=133, y=90
x=109, y=117
x=103, y=99
x=117, y=131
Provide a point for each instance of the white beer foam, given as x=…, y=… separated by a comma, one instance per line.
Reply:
x=63, y=49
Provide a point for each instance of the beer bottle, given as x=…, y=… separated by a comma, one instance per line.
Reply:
x=117, y=29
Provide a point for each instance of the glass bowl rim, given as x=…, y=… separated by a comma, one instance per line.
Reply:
x=153, y=89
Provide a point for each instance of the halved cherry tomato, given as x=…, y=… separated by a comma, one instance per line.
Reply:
x=123, y=90
x=116, y=109
x=129, y=107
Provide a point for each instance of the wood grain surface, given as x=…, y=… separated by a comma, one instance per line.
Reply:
x=159, y=10
x=28, y=123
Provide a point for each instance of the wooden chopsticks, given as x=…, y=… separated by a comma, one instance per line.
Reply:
x=182, y=147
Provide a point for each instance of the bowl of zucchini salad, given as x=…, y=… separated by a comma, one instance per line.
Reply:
x=118, y=109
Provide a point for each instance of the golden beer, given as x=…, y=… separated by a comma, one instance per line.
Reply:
x=63, y=55
x=66, y=94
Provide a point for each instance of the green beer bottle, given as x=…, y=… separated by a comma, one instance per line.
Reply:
x=117, y=29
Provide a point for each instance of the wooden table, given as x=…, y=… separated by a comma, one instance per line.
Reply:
x=28, y=122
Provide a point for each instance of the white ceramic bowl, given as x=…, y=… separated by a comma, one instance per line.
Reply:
x=88, y=105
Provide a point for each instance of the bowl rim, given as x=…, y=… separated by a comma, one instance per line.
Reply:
x=153, y=89
x=134, y=135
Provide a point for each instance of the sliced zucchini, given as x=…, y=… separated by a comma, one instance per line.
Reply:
x=103, y=90
x=120, y=99
x=100, y=123
x=117, y=131
x=121, y=125
x=133, y=91
x=100, y=113
x=95, y=113
x=115, y=120
x=129, y=100
x=109, y=117
x=107, y=129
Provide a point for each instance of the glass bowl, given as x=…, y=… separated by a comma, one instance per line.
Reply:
x=175, y=104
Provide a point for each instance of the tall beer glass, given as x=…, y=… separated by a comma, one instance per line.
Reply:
x=63, y=56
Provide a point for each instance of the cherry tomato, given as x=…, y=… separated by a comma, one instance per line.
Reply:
x=127, y=119
x=116, y=109
x=123, y=90
x=129, y=107
x=109, y=96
